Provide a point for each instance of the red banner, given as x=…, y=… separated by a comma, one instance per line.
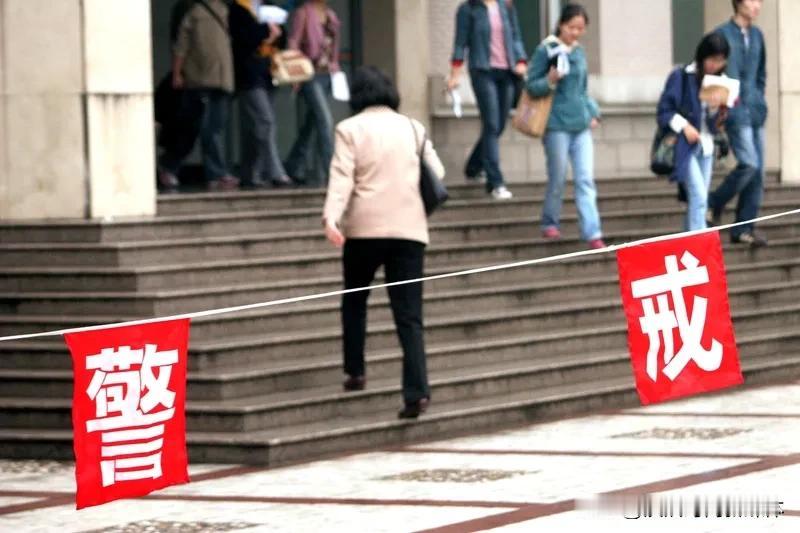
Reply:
x=128, y=410
x=680, y=332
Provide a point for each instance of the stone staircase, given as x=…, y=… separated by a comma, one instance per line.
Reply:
x=504, y=347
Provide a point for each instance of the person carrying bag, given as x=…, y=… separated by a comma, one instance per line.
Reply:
x=693, y=122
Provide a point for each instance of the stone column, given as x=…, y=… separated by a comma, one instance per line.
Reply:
x=397, y=37
x=772, y=15
x=76, y=117
x=784, y=127
x=413, y=57
x=634, y=43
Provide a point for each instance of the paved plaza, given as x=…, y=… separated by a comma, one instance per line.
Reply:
x=544, y=477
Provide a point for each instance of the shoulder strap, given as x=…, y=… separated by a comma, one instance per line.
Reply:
x=416, y=138
x=213, y=13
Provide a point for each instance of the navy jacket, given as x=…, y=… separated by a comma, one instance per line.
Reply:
x=749, y=66
x=473, y=33
x=682, y=95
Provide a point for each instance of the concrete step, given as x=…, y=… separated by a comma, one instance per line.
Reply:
x=226, y=240
x=170, y=302
x=270, y=200
x=316, y=265
x=445, y=419
x=443, y=309
x=261, y=220
x=255, y=353
x=276, y=409
x=324, y=370
x=460, y=209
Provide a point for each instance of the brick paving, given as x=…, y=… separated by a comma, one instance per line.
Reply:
x=543, y=477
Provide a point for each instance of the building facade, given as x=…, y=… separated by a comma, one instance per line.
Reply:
x=76, y=120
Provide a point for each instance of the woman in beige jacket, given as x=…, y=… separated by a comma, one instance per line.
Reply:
x=374, y=209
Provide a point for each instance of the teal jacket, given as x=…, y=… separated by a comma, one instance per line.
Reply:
x=573, y=108
x=749, y=66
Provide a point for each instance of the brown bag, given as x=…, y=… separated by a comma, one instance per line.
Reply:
x=532, y=114
x=291, y=66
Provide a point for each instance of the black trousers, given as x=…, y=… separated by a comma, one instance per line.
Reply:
x=402, y=260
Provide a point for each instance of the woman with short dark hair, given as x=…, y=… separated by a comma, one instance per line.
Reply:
x=696, y=122
x=374, y=209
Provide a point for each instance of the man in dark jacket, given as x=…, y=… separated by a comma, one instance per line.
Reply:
x=253, y=89
x=745, y=124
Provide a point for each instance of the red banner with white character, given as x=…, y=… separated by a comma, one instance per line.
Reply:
x=680, y=332
x=128, y=410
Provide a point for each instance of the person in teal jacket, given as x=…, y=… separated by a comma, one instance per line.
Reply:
x=559, y=67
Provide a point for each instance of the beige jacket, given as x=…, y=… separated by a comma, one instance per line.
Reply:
x=206, y=48
x=373, y=189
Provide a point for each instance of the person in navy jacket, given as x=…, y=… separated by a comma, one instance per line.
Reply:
x=681, y=110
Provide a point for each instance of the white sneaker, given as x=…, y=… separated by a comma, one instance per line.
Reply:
x=501, y=193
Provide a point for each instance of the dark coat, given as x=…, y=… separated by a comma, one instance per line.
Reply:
x=682, y=95
x=247, y=34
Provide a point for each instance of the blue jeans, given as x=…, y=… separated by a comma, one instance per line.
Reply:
x=494, y=91
x=318, y=123
x=561, y=147
x=697, y=181
x=212, y=135
x=746, y=180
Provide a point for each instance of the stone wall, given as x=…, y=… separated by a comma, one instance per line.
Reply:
x=621, y=144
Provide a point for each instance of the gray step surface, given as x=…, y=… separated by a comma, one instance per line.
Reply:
x=227, y=202
x=243, y=239
x=170, y=302
x=314, y=440
x=273, y=410
x=324, y=370
x=504, y=347
x=491, y=314
x=241, y=220
x=314, y=265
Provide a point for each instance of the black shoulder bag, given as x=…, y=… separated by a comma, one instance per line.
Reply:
x=662, y=153
x=434, y=193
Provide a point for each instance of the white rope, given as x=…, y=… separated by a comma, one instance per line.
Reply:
x=480, y=270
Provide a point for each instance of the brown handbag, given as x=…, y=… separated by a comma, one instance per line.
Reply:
x=532, y=114
x=291, y=66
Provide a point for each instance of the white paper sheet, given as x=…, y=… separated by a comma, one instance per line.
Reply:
x=272, y=15
x=340, y=87
x=723, y=81
x=455, y=98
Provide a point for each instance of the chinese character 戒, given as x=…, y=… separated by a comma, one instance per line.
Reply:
x=660, y=319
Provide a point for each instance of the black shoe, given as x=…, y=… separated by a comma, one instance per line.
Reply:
x=414, y=409
x=753, y=239
x=354, y=383
x=716, y=216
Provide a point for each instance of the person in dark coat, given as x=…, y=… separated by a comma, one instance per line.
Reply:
x=260, y=156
